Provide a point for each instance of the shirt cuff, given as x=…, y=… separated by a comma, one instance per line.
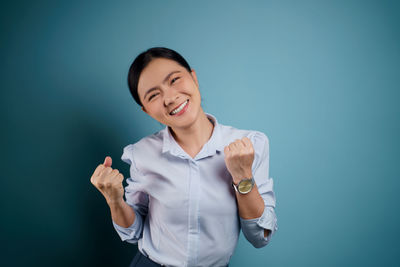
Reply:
x=253, y=229
x=131, y=233
x=268, y=221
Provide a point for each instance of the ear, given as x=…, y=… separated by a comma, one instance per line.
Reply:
x=144, y=110
x=194, y=76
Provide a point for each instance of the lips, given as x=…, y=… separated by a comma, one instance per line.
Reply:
x=179, y=108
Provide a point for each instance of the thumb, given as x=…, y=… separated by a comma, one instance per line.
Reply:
x=108, y=161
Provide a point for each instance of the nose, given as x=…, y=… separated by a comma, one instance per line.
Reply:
x=170, y=97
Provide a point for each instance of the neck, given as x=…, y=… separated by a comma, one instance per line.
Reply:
x=193, y=138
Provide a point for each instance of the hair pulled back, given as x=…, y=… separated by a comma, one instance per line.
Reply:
x=143, y=59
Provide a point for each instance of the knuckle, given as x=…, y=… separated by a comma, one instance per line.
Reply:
x=99, y=168
x=106, y=170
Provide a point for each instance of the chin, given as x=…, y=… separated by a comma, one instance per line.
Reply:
x=189, y=118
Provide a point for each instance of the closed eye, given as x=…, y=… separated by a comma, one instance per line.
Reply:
x=153, y=95
x=174, y=79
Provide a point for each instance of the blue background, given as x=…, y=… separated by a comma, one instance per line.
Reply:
x=320, y=78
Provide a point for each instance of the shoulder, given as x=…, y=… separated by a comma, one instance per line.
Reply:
x=230, y=134
x=151, y=143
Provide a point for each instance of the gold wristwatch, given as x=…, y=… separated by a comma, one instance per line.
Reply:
x=244, y=186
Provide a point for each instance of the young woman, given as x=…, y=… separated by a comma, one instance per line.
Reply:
x=194, y=184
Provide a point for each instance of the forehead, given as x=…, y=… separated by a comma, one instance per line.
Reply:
x=154, y=73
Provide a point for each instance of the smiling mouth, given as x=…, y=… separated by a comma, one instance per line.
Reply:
x=178, y=109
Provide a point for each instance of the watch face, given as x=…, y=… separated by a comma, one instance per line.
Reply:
x=245, y=186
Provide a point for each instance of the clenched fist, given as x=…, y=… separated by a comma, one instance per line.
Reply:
x=108, y=181
x=239, y=156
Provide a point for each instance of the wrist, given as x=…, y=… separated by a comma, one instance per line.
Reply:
x=115, y=202
x=238, y=177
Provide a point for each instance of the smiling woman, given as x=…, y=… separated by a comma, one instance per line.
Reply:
x=170, y=94
x=144, y=59
x=192, y=185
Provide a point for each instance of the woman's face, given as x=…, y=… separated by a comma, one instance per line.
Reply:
x=169, y=93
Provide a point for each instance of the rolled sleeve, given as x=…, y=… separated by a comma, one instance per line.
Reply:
x=135, y=198
x=253, y=229
x=132, y=233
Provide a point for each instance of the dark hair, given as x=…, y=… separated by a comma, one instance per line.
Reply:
x=142, y=60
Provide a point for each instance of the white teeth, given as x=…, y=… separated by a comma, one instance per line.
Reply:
x=179, y=108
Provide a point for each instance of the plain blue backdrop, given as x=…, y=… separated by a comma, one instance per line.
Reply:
x=319, y=78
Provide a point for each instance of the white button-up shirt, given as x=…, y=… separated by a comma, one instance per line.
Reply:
x=186, y=209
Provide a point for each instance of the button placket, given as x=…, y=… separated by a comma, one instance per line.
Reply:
x=193, y=213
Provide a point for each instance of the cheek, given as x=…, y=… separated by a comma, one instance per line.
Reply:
x=152, y=109
x=189, y=88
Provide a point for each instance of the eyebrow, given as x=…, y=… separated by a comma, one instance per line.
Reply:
x=165, y=79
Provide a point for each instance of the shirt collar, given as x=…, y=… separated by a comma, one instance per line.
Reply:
x=213, y=145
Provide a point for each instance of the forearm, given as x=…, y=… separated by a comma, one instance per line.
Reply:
x=121, y=213
x=251, y=205
x=239, y=159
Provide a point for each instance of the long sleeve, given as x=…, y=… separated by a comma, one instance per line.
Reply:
x=136, y=199
x=180, y=219
x=253, y=229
